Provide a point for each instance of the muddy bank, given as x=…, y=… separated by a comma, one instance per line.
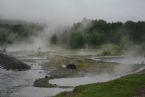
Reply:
x=44, y=83
x=10, y=63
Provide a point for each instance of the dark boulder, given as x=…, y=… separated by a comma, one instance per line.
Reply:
x=11, y=63
x=71, y=66
x=43, y=82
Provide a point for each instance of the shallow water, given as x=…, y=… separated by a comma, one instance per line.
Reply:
x=20, y=83
x=83, y=80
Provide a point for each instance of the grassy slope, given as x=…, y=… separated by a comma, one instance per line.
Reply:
x=128, y=86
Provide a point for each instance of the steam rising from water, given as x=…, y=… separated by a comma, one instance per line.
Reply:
x=41, y=41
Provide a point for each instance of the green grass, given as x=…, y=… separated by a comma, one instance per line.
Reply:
x=127, y=86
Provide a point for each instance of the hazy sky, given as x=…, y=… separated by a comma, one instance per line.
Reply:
x=68, y=11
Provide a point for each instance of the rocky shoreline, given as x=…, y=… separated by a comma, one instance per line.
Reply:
x=10, y=63
x=44, y=83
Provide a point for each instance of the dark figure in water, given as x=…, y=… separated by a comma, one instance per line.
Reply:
x=71, y=66
x=46, y=77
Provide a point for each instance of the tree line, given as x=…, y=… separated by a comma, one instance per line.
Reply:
x=95, y=33
x=11, y=31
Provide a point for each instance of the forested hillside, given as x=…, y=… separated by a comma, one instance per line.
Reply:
x=95, y=33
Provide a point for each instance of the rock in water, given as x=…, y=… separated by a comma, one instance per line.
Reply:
x=11, y=63
x=43, y=82
x=71, y=66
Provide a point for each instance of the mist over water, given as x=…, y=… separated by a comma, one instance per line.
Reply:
x=67, y=12
x=58, y=16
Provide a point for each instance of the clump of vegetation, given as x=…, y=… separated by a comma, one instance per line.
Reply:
x=12, y=31
x=128, y=86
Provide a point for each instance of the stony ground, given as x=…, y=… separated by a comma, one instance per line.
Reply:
x=10, y=63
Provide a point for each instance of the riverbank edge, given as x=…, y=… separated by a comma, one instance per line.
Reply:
x=9, y=62
x=132, y=85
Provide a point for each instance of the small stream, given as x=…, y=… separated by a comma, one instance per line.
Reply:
x=20, y=83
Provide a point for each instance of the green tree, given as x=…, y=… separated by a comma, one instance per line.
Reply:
x=53, y=39
x=76, y=40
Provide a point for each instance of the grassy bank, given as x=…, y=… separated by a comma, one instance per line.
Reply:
x=129, y=86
